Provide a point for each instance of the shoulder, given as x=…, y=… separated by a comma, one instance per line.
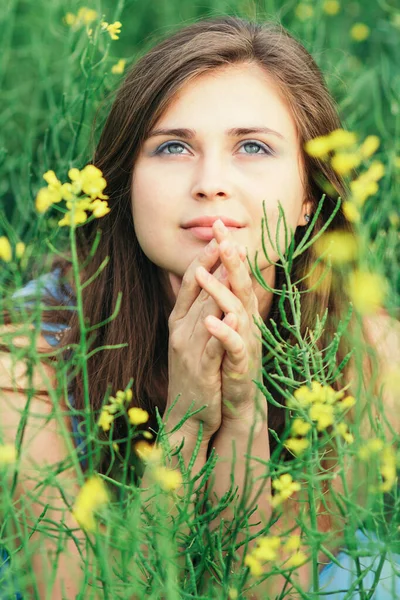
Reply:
x=382, y=334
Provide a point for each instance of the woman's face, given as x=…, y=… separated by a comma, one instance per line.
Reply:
x=217, y=172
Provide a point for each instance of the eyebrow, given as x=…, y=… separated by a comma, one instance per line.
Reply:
x=189, y=134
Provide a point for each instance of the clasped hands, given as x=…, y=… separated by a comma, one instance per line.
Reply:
x=237, y=332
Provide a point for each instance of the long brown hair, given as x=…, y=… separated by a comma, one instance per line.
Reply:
x=149, y=87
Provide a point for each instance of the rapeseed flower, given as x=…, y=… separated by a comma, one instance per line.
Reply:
x=85, y=16
x=8, y=454
x=367, y=291
x=340, y=246
x=170, y=480
x=343, y=430
x=297, y=445
x=150, y=453
x=372, y=446
x=285, y=488
x=300, y=427
x=105, y=420
x=344, y=162
x=351, y=212
x=119, y=67
x=19, y=249
x=138, y=416
x=360, y=32
x=304, y=11
x=323, y=414
x=267, y=548
x=91, y=497
x=370, y=146
x=5, y=249
x=388, y=469
x=331, y=7
x=296, y=560
x=338, y=139
x=254, y=565
x=88, y=181
x=293, y=543
x=114, y=29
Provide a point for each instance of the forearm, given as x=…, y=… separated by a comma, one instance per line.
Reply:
x=256, y=486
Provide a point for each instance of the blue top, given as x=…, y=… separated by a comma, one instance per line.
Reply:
x=336, y=579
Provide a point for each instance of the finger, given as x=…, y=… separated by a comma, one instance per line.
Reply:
x=214, y=349
x=239, y=277
x=230, y=340
x=223, y=296
x=190, y=288
x=221, y=233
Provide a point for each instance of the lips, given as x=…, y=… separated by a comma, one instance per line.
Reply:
x=207, y=221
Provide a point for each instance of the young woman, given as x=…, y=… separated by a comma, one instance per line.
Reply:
x=207, y=126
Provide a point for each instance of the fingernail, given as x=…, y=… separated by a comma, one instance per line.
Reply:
x=210, y=248
x=220, y=224
x=227, y=248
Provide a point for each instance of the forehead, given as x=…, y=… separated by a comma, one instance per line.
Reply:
x=232, y=96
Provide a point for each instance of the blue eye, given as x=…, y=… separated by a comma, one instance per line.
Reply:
x=160, y=150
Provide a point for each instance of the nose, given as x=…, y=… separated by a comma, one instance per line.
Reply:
x=212, y=179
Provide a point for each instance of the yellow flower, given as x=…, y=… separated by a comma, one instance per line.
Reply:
x=79, y=217
x=148, y=452
x=293, y=543
x=5, y=249
x=99, y=208
x=331, y=7
x=297, y=559
x=87, y=15
x=300, y=427
x=388, y=469
x=344, y=162
x=305, y=396
x=8, y=454
x=90, y=180
x=114, y=29
x=19, y=249
x=351, y=212
x=169, y=480
x=119, y=67
x=369, y=146
x=232, y=594
x=394, y=219
x=340, y=246
x=367, y=291
x=372, y=446
x=296, y=445
x=285, y=486
x=341, y=138
x=343, y=430
x=304, y=11
x=318, y=147
x=105, y=419
x=359, y=32
x=148, y=435
x=397, y=162
x=267, y=547
x=361, y=189
x=91, y=497
x=346, y=403
x=138, y=416
x=375, y=172
x=70, y=18
x=254, y=565
x=323, y=414
x=128, y=395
